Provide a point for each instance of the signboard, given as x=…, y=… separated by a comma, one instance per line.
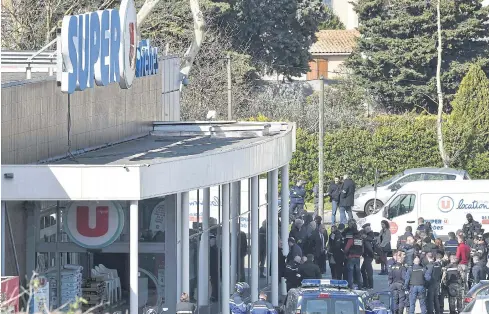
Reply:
x=99, y=48
x=9, y=295
x=94, y=225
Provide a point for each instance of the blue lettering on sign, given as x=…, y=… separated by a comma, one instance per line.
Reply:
x=473, y=205
x=92, y=49
x=147, y=59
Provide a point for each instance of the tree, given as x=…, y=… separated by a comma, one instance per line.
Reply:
x=331, y=21
x=397, y=53
x=278, y=32
x=467, y=128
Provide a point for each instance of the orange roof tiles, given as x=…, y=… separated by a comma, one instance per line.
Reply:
x=334, y=41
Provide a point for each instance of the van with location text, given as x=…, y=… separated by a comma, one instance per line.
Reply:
x=443, y=203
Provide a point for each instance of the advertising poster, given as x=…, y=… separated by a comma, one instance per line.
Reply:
x=40, y=300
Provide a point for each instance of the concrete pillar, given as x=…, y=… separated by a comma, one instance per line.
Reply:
x=133, y=257
x=274, y=237
x=171, y=272
x=203, y=292
x=3, y=233
x=185, y=244
x=284, y=218
x=225, y=293
x=269, y=226
x=255, y=226
x=179, y=244
x=234, y=232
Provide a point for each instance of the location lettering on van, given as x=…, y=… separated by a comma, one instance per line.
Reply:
x=473, y=205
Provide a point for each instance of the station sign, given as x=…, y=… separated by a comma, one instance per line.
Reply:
x=92, y=224
x=101, y=48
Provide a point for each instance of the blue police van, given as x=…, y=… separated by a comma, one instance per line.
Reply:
x=325, y=296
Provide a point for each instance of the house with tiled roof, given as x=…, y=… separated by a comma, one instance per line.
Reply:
x=330, y=50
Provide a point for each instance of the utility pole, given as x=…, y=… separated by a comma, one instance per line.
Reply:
x=230, y=94
x=321, y=149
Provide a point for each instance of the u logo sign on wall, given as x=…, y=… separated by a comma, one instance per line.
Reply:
x=94, y=225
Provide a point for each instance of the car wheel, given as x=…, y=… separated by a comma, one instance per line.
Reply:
x=369, y=207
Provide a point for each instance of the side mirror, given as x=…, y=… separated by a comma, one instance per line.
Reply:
x=395, y=187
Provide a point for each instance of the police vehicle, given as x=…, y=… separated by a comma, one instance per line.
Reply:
x=324, y=296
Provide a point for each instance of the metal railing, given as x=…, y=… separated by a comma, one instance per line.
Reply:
x=42, y=61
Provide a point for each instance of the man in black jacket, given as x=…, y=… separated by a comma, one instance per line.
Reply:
x=334, y=192
x=262, y=248
x=309, y=270
x=347, y=198
x=402, y=239
x=215, y=266
x=319, y=241
x=294, y=250
x=291, y=273
x=337, y=251
x=368, y=256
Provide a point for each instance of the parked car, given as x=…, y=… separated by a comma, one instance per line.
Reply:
x=478, y=305
x=479, y=289
x=365, y=197
x=444, y=204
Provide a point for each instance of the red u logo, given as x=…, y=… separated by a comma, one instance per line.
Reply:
x=101, y=221
x=446, y=204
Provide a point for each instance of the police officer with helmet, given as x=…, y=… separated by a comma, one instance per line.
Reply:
x=236, y=303
x=262, y=306
x=472, y=227
x=397, y=277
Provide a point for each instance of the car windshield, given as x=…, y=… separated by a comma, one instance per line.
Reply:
x=391, y=180
x=329, y=306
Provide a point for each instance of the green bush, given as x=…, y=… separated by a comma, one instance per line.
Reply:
x=390, y=143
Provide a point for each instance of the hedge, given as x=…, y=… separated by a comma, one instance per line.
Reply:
x=390, y=143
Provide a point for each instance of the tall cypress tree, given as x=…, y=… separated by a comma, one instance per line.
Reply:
x=397, y=52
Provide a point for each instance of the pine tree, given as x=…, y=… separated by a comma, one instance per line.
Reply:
x=467, y=130
x=397, y=53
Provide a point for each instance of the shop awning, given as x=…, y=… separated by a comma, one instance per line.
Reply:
x=175, y=157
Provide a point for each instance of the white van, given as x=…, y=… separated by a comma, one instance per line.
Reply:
x=443, y=203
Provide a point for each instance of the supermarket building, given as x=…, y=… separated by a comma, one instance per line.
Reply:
x=101, y=179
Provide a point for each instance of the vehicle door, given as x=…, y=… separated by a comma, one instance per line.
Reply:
x=401, y=213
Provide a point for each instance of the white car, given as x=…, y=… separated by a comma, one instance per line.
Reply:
x=365, y=197
x=479, y=305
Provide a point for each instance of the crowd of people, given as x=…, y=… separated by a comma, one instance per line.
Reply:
x=419, y=268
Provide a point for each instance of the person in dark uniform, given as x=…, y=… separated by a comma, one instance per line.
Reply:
x=452, y=243
x=242, y=251
x=309, y=270
x=262, y=248
x=319, y=240
x=368, y=256
x=331, y=260
x=215, y=266
x=397, y=277
x=334, y=192
x=294, y=250
x=409, y=251
x=262, y=306
x=291, y=274
x=347, y=198
x=353, y=251
x=453, y=279
x=479, y=270
x=402, y=239
x=481, y=248
x=433, y=285
x=337, y=251
x=443, y=260
x=472, y=227
x=415, y=281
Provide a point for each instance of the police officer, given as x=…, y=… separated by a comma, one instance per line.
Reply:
x=292, y=277
x=236, y=303
x=368, y=256
x=397, y=277
x=434, y=270
x=452, y=243
x=409, y=251
x=262, y=306
x=354, y=250
x=402, y=239
x=479, y=270
x=481, y=248
x=297, y=195
x=472, y=227
x=309, y=270
x=452, y=277
x=415, y=281
x=337, y=251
